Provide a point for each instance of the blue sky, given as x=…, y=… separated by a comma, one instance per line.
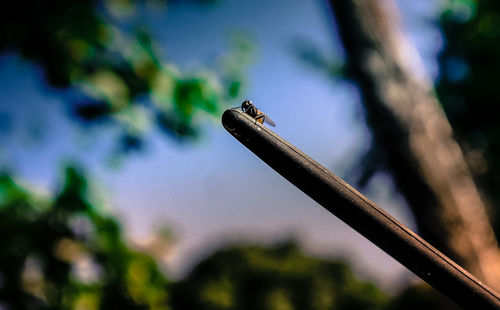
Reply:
x=214, y=190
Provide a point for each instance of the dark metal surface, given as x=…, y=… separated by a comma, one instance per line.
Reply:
x=361, y=214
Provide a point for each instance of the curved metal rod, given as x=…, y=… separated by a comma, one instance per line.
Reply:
x=360, y=213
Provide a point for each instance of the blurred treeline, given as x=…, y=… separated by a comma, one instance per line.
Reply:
x=64, y=252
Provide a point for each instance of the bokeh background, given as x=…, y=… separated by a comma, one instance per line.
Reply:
x=121, y=189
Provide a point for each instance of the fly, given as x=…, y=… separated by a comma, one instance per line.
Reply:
x=248, y=107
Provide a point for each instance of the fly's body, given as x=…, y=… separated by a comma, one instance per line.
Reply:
x=248, y=107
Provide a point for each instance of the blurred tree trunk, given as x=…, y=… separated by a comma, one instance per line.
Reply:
x=410, y=127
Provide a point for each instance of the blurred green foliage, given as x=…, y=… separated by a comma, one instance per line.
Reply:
x=64, y=253
x=421, y=296
x=468, y=87
x=282, y=277
x=274, y=278
x=114, y=68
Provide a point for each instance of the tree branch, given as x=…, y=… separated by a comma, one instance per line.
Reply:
x=407, y=121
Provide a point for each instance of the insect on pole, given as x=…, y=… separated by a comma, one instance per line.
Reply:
x=340, y=199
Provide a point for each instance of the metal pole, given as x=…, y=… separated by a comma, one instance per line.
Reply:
x=361, y=214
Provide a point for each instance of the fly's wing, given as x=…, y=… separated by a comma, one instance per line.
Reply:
x=269, y=121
